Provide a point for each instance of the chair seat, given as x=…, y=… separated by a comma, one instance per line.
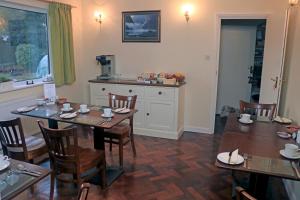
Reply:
x=122, y=129
x=32, y=143
x=89, y=158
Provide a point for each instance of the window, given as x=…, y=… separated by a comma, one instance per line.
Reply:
x=24, y=47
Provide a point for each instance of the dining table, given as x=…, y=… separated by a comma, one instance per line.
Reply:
x=18, y=177
x=93, y=118
x=259, y=144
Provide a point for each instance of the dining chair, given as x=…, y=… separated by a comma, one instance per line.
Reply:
x=264, y=110
x=241, y=194
x=67, y=157
x=84, y=191
x=15, y=145
x=122, y=133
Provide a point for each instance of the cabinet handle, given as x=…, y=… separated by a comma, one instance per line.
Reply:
x=103, y=89
x=148, y=114
x=130, y=91
x=159, y=93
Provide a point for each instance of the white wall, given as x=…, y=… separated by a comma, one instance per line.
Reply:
x=187, y=47
x=236, y=57
x=290, y=98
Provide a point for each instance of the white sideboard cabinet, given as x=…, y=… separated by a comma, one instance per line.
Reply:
x=160, y=107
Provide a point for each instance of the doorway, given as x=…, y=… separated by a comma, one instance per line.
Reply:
x=240, y=62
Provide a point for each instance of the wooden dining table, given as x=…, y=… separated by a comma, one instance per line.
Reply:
x=259, y=144
x=13, y=182
x=93, y=119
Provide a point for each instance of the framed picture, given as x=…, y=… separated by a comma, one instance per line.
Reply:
x=141, y=26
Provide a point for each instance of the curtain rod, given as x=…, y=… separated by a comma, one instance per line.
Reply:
x=50, y=1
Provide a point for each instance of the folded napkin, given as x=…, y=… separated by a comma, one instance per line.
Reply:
x=234, y=156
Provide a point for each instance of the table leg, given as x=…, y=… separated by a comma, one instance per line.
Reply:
x=258, y=185
x=52, y=124
x=112, y=172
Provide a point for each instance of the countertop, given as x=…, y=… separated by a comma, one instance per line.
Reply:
x=133, y=82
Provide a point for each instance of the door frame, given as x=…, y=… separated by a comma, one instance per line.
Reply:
x=219, y=18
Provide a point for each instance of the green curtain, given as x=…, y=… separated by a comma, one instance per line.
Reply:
x=61, y=36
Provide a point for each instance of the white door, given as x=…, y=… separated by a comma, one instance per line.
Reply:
x=160, y=115
x=139, y=117
x=273, y=66
x=236, y=57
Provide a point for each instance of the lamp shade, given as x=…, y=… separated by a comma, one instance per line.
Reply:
x=293, y=2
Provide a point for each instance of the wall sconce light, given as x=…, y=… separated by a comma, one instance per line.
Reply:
x=98, y=17
x=187, y=10
x=293, y=2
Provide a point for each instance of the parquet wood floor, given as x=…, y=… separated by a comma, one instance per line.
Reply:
x=163, y=169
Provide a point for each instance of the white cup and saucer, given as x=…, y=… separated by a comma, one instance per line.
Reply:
x=107, y=113
x=83, y=109
x=66, y=107
x=290, y=151
x=245, y=119
x=4, y=162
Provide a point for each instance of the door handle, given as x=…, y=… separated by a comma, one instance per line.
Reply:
x=275, y=82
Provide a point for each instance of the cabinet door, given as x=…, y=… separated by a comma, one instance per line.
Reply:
x=99, y=101
x=139, y=116
x=160, y=115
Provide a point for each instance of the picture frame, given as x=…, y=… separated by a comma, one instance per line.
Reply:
x=141, y=26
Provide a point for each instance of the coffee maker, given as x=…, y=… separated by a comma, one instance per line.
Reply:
x=107, y=63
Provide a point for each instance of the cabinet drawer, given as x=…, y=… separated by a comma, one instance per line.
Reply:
x=160, y=93
x=130, y=90
x=98, y=89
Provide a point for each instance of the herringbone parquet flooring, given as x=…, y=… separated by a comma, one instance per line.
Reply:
x=163, y=169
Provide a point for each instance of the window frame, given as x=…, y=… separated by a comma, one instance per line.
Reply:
x=38, y=9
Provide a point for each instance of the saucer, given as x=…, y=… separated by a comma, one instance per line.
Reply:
x=66, y=110
x=26, y=109
x=282, y=152
x=84, y=111
x=68, y=115
x=4, y=164
x=284, y=135
x=122, y=110
x=107, y=116
x=224, y=157
x=248, y=122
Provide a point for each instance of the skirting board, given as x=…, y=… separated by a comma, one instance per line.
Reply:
x=197, y=129
x=289, y=189
x=159, y=133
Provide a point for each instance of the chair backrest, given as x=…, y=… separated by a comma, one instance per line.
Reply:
x=119, y=101
x=12, y=138
x=241, y=194
x=84, y=191
x=62, y=146
x=265, y=110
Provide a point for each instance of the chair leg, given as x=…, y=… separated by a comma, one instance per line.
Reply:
x=121, y=152
x=132, y=144
x=110, y=145
x=52, y=182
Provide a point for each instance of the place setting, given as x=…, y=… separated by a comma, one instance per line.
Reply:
x=290, y=151
x=107, y=113
x=83, y=109
x=231, y=158
x=121, y=110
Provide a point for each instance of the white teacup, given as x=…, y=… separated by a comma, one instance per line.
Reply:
x=40, y=102
x=2, y=159
x=66, y=106
x=83, y=107
x=107, y=112
x=245, y=117
x=291, y=149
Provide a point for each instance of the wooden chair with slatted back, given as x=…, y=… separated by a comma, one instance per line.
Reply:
x=84, y=191
x=265, y=110
x=122, y=133
x=66, y=157
x=16, y=146
x=241, y=194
